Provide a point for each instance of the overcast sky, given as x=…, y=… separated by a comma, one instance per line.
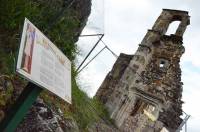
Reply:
x=124, y=23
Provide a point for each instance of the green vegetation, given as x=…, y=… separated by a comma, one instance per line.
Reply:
x=42, y=14
x=63, y=32
x=83, y=110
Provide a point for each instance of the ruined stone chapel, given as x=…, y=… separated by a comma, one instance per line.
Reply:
x=143, y=91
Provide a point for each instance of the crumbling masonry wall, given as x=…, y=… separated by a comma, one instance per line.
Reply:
x=143, y=91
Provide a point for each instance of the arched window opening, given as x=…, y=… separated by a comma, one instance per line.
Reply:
x=173, y=27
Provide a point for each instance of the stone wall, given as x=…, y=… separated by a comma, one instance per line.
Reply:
x=143, y=91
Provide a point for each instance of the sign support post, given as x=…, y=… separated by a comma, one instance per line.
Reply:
x=20, y=108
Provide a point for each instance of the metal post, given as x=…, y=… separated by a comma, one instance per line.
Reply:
x=185, y=126
x=92, y=59
x=90, y=52
x=20, y=108
x=109, y=49
x=90, y=35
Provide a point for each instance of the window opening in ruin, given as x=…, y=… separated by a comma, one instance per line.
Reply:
x=136, y=107
x=162, y=64
x=172, y=27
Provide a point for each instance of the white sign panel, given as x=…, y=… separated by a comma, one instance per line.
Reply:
x=41, y=62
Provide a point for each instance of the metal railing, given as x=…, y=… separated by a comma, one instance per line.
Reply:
x=183, y=123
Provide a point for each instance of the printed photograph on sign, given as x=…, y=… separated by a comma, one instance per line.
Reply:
x=28, y=48
x=42, y=63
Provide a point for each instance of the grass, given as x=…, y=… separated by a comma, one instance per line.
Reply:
x=83, y=109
